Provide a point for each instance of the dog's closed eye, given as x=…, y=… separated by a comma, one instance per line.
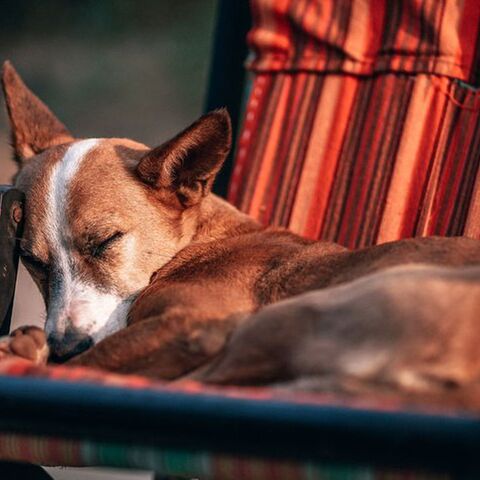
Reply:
x=98, y=249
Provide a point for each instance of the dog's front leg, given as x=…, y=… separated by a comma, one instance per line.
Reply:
x=172, y=329
x=164, y=346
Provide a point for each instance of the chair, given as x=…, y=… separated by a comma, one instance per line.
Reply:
x=80, y=417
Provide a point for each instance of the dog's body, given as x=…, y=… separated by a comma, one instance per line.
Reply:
x=413, y=327
x=184, y=317
x=102, y=215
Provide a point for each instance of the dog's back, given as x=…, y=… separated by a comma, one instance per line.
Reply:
x=316, y=266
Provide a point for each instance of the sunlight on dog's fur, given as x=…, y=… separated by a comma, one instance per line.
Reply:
x=144, y=270
x=413, y=326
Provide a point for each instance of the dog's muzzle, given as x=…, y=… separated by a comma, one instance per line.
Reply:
x=67, y=345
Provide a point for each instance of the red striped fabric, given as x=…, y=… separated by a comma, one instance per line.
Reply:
x=175, y=463
x=366, y=36
x=359, y=128
x=378, y=401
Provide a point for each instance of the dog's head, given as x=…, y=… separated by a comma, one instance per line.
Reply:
x=101, y=215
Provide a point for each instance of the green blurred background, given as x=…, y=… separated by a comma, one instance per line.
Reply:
x=111, y=67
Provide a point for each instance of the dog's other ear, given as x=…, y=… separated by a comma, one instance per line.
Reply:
x=188, y=163
x=34, y=127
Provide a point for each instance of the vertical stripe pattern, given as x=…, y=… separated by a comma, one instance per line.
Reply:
x=338, y=151
x=188, y=463
x=366, y=36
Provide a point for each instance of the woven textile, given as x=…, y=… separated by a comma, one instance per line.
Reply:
x=359, y=128
x=379, y=401
x=367, y=36
x=54, y=451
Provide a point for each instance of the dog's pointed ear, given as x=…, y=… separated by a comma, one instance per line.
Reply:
x=34, y=128
x=188, y=163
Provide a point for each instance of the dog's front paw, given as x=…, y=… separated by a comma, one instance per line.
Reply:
x=29, y=343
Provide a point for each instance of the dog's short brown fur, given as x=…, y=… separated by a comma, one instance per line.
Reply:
x=186, y=314
x=213, y=265
x=413, y=326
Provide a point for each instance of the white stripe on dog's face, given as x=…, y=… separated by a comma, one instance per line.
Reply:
x=77, y=196
x=77, y=309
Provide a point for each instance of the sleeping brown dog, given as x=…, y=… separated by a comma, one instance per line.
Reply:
x=141, y=267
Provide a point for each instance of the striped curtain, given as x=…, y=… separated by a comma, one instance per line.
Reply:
x=362, y=122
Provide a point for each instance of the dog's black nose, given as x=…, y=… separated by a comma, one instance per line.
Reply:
x=63, y=347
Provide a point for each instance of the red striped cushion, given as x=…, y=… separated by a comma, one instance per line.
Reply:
x=367, y=36
x=361, y=159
